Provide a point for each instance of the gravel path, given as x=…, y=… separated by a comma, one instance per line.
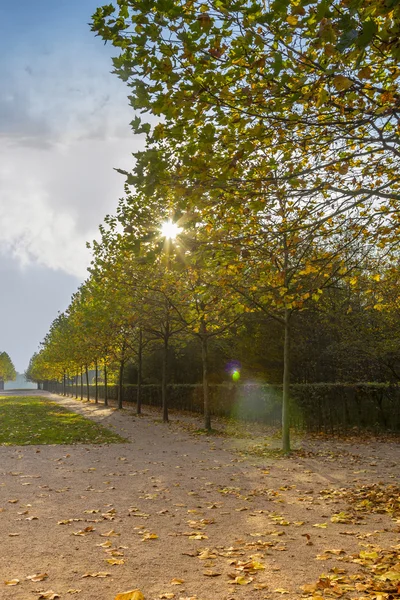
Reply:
x=188, y=515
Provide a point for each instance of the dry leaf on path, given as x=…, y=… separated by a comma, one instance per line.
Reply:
x=241, y=580
x=209, y=573
x=12, y=582
x=38, y=577
x=49, y=595
x=176, y=581
x=73, y=591
x=99, y=574
x=167, y=595
x=132, y=595
x=149, y=536
x=110, y=533
x=115, y=561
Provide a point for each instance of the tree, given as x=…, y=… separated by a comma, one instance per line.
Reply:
x=7, y=369
x=243, y=86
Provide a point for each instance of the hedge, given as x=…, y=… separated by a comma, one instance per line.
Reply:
x=316, y=407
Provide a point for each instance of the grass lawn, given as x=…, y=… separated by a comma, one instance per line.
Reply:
x=28, y=420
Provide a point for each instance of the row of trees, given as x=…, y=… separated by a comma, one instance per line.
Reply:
x=272, y=142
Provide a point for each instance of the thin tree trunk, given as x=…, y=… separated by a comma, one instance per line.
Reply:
x=64, y=392
x=164, y=381
x=82, y=384
x=96, y=398
x=204, y=358
x=139, y=376
x=120, y=384
x=285, y=390
x=105, y=385
x=76, y=386
x=87, y=383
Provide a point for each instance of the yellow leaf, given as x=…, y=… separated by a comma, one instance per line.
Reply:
x=241, y=580
x=281, y=591
x=149, y=536
x=322, y=97
x=110, y=533
x=49, y=595
x=342, y=83
x=210, y=573
x=376, y=277
x=292, y=20
x=131, y=595
x=99, y=574
x=115, y=561
x=176, y=581
x=321, y=525
x=38, y=577
x=12, y=582
x=198, y=536
x=167, y=595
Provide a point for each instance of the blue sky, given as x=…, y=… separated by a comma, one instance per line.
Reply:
x=64, y=126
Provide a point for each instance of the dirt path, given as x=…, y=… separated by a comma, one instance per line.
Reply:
x=67, y=510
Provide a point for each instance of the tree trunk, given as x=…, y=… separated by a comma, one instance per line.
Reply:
x=120, y=384
x=87, y=383
x=64, y=384
x=76, y=386
x=105, y=385
x=139, y=376
x=164, y=381
x=285, y=390
x=82, y=384
x=204, y=358
x=96, y=397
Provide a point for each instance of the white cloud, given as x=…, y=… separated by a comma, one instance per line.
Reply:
x=64, y=125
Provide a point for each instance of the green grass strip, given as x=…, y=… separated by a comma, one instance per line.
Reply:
x=26, y=420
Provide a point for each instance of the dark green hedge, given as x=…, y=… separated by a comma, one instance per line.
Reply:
x=316, y=407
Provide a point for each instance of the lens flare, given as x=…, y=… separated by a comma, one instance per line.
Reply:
x=236, y=375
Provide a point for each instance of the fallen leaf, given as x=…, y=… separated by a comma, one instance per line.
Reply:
x=209, y=573
x=12, y=582
x=260, y=586
x=38, y=577
x=49, y=595
x=167, y=595
x=177, y=581
x=115, y=561
x=281, y=591
x=99, y=574
x=73, y=591
x=241, y=580
x=149, y=536
x=110, y=533
x=321, y=525
x=131, y=595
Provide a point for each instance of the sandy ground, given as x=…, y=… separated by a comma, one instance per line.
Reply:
x=67, y=510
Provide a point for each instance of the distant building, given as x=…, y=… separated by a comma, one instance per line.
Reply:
x=20, y=383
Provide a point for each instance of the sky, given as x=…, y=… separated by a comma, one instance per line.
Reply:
x=64, y=127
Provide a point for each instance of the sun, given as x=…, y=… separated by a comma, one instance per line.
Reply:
x=170, y=230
